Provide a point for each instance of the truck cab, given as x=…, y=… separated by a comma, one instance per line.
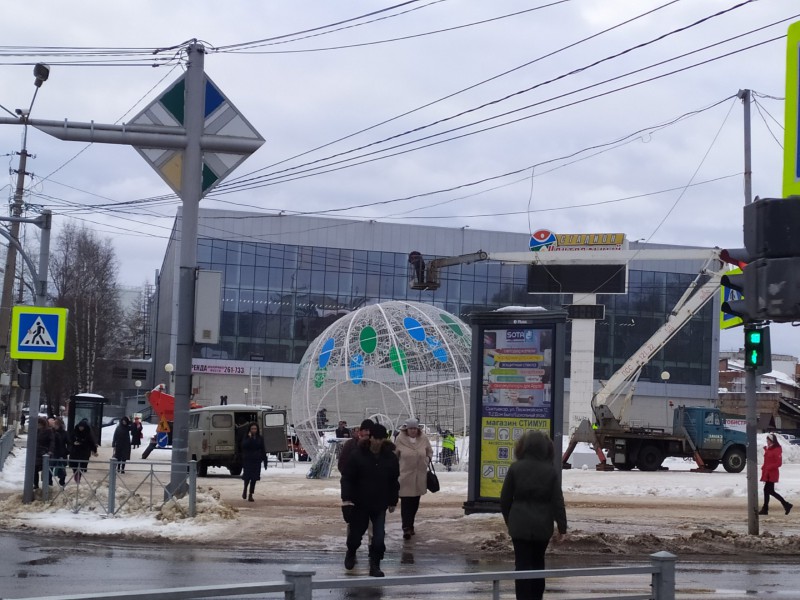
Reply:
x=216, y=431
x=705, y=430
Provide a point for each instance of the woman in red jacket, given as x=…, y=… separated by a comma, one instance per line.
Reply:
x=770, y=471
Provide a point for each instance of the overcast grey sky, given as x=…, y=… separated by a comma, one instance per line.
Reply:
x=624, y=112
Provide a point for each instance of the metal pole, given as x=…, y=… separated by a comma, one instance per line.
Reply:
x=36, y=371
x=750, y=381
x=8, y=280
x=191, y=192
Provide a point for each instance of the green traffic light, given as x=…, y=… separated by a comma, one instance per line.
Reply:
x=755, y=337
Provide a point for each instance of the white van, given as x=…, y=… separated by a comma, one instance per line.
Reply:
x=215, y=432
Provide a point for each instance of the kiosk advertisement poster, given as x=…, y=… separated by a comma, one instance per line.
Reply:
x=517, y=395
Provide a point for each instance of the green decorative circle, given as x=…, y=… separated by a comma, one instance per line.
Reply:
x=399, y=362
x=319, y=377
x=368, y=339
x=455, y=328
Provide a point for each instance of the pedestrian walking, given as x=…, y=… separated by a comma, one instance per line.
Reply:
x=531, y=500
x=362, y=433
x=44, y=446
x=60, y=451
x=81, y=447
x=343, y=431
x=369, y=488
x=414, y=451
x=121, y=443
x=251, y=451
x=770, y=473
x=137, y=432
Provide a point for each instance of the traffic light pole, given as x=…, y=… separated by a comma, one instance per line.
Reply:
x=750, y=374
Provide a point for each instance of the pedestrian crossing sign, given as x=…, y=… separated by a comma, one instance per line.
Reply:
x=38, y=332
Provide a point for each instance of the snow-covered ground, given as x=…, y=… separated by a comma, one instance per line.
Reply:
x=219, y=500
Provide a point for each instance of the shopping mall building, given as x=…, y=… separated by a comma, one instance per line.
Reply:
x=286, y=278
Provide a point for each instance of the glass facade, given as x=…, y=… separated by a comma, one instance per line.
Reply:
x=277, y=298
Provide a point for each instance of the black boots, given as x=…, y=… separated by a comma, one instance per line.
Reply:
x=788, y=507
x=375, y=567
x=350, y=559
x=250, y=498
x=763, y=511
x=406, y=533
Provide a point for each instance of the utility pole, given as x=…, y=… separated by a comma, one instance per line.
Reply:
x=750, y=381
x=40, y=72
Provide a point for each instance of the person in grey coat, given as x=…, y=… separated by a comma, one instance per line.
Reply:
x=531, y=502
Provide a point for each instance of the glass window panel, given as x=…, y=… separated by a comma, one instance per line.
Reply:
x=373, y=262
x=305, y=257
x=318, y=258
x=248, y=254
x=346, y=260
x=204, y=250
x=247, y=277
x=261, y=278
x=359, y=284
x=373, y=285
x=332, y=259
x=232, y=275
x=331, y=283
x=317, y=285
x=234, y=253
x=218, y=250
x=360, y=258
x=262, y=255
x=245, y=301
x=303, y=280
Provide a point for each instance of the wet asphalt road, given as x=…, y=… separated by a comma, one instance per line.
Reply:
x=36, y=566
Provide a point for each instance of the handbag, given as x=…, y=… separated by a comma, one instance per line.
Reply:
x=432, y=481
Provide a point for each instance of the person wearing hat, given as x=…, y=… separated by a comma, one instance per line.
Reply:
x=347, y=448
x=413, y=449
x=770, y=472
x=369, y=487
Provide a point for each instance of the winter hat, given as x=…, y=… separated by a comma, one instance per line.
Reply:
x=378, y=431
x=367, y=423
x=412, y=422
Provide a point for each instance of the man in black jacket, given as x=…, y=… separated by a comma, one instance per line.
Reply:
x=370, y=486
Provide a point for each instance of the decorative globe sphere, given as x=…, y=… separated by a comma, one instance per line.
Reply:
x=387, y=362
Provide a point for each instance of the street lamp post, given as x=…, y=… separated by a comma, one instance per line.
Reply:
x=40, y=72
x=138, y=385
x=170, y=369
x=246, y=391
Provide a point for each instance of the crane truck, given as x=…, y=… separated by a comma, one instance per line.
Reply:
x=697, y=432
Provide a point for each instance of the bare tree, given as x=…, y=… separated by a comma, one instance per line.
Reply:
x=83, y=269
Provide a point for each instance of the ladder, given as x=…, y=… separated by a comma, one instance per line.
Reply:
x=255, y=386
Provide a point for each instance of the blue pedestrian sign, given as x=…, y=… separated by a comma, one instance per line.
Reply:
x=38, y=332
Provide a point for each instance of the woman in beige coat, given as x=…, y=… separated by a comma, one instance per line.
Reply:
x=414, y=450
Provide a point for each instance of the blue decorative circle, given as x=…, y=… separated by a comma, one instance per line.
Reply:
x=438, y=351
x=414, y=329
x=325, y=353
x=357, y=369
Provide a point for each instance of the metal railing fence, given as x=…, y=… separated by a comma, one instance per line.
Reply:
x=299, y=583
x=142, y=485
x=6, y=446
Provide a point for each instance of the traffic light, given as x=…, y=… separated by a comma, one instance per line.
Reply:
x=24, y=369
x=741, y=294
x=772, y=236
x=768, y=287
x=757, y=350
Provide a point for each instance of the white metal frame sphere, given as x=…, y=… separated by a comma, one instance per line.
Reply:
x=388, y=362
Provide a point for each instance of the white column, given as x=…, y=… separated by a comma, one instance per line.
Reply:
x=581, y=373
